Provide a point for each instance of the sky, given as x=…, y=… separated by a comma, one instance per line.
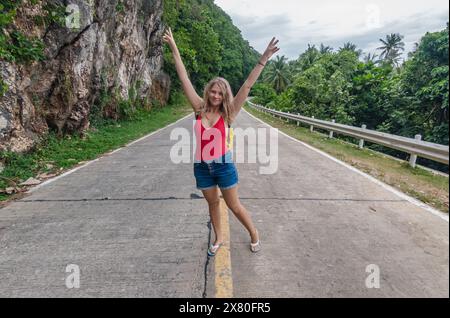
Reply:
x=295, y=23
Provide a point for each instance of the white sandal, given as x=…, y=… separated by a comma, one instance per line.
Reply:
x=255, y=247
x=212, y=250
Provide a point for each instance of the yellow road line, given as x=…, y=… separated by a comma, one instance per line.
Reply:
x=223, y=277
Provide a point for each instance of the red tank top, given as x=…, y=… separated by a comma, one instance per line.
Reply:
x=213, y=141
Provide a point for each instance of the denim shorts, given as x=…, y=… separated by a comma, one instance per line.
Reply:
x=220, y=172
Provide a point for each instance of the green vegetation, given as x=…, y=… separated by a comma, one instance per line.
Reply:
x=14, y=45
x=55, y=14
x=209, y=43
x=391, y=48
x=120, y=7
x=17, y=47
x=405, y=100
x=419, y=183
x=64, y=153
x=400, y=98
x=3, y=88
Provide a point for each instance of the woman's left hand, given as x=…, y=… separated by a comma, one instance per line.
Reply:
x=271, y=50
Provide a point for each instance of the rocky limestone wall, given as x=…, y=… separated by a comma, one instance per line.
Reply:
x=115, y=45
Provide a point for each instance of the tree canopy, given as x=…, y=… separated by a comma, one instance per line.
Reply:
x=372, y=89
x=209, y=43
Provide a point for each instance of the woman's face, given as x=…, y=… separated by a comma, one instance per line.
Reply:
x=215, y=96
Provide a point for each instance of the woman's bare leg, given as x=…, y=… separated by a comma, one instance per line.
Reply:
x=232, y=200
x=212, y=196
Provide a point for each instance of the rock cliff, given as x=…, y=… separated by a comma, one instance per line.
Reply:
x=108, y=46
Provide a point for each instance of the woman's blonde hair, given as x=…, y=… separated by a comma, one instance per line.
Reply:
x=227, y=94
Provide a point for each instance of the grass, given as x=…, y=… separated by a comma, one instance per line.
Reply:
x=417, y=182
x=56, y=155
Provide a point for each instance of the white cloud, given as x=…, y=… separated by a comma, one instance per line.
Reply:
x=297, y=23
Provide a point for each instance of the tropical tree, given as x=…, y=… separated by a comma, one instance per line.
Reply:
x=307, y=59
x=426, y=80
x=264, y=93
x=348, y=46
x=410, y=99
x=390, y=50
x=276, y=74
x=325, y=49
x=371, y=58
x=209, y=43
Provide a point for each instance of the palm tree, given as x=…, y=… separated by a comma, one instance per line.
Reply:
x=308, y=58
x=325, y=49
x=276, y=74
x=391, y=48
x=371, y=57
x=348, y=46
x=393, y=58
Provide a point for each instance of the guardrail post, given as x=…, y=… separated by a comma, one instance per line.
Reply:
x=331, y=132
x=288, y=118
x=361, y=141
x=413, y=158
x=413, y=146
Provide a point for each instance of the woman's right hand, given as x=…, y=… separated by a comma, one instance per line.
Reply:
x=168, y=38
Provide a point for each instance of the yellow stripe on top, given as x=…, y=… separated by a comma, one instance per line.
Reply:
x=223, y=277
x=230, y=136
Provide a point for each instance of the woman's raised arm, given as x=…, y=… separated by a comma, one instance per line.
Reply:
x=195, y=100
x=242, y=95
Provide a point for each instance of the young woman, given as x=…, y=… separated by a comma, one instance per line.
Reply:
x=214, y=114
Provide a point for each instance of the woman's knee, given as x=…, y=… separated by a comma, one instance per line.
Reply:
x=212, y=197
x=214, y=203
x=234, y=205
x=237, y=208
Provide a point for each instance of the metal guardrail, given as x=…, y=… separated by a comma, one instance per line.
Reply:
x=416, y=147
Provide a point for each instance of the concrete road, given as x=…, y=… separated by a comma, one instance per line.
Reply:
x=134, y=225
